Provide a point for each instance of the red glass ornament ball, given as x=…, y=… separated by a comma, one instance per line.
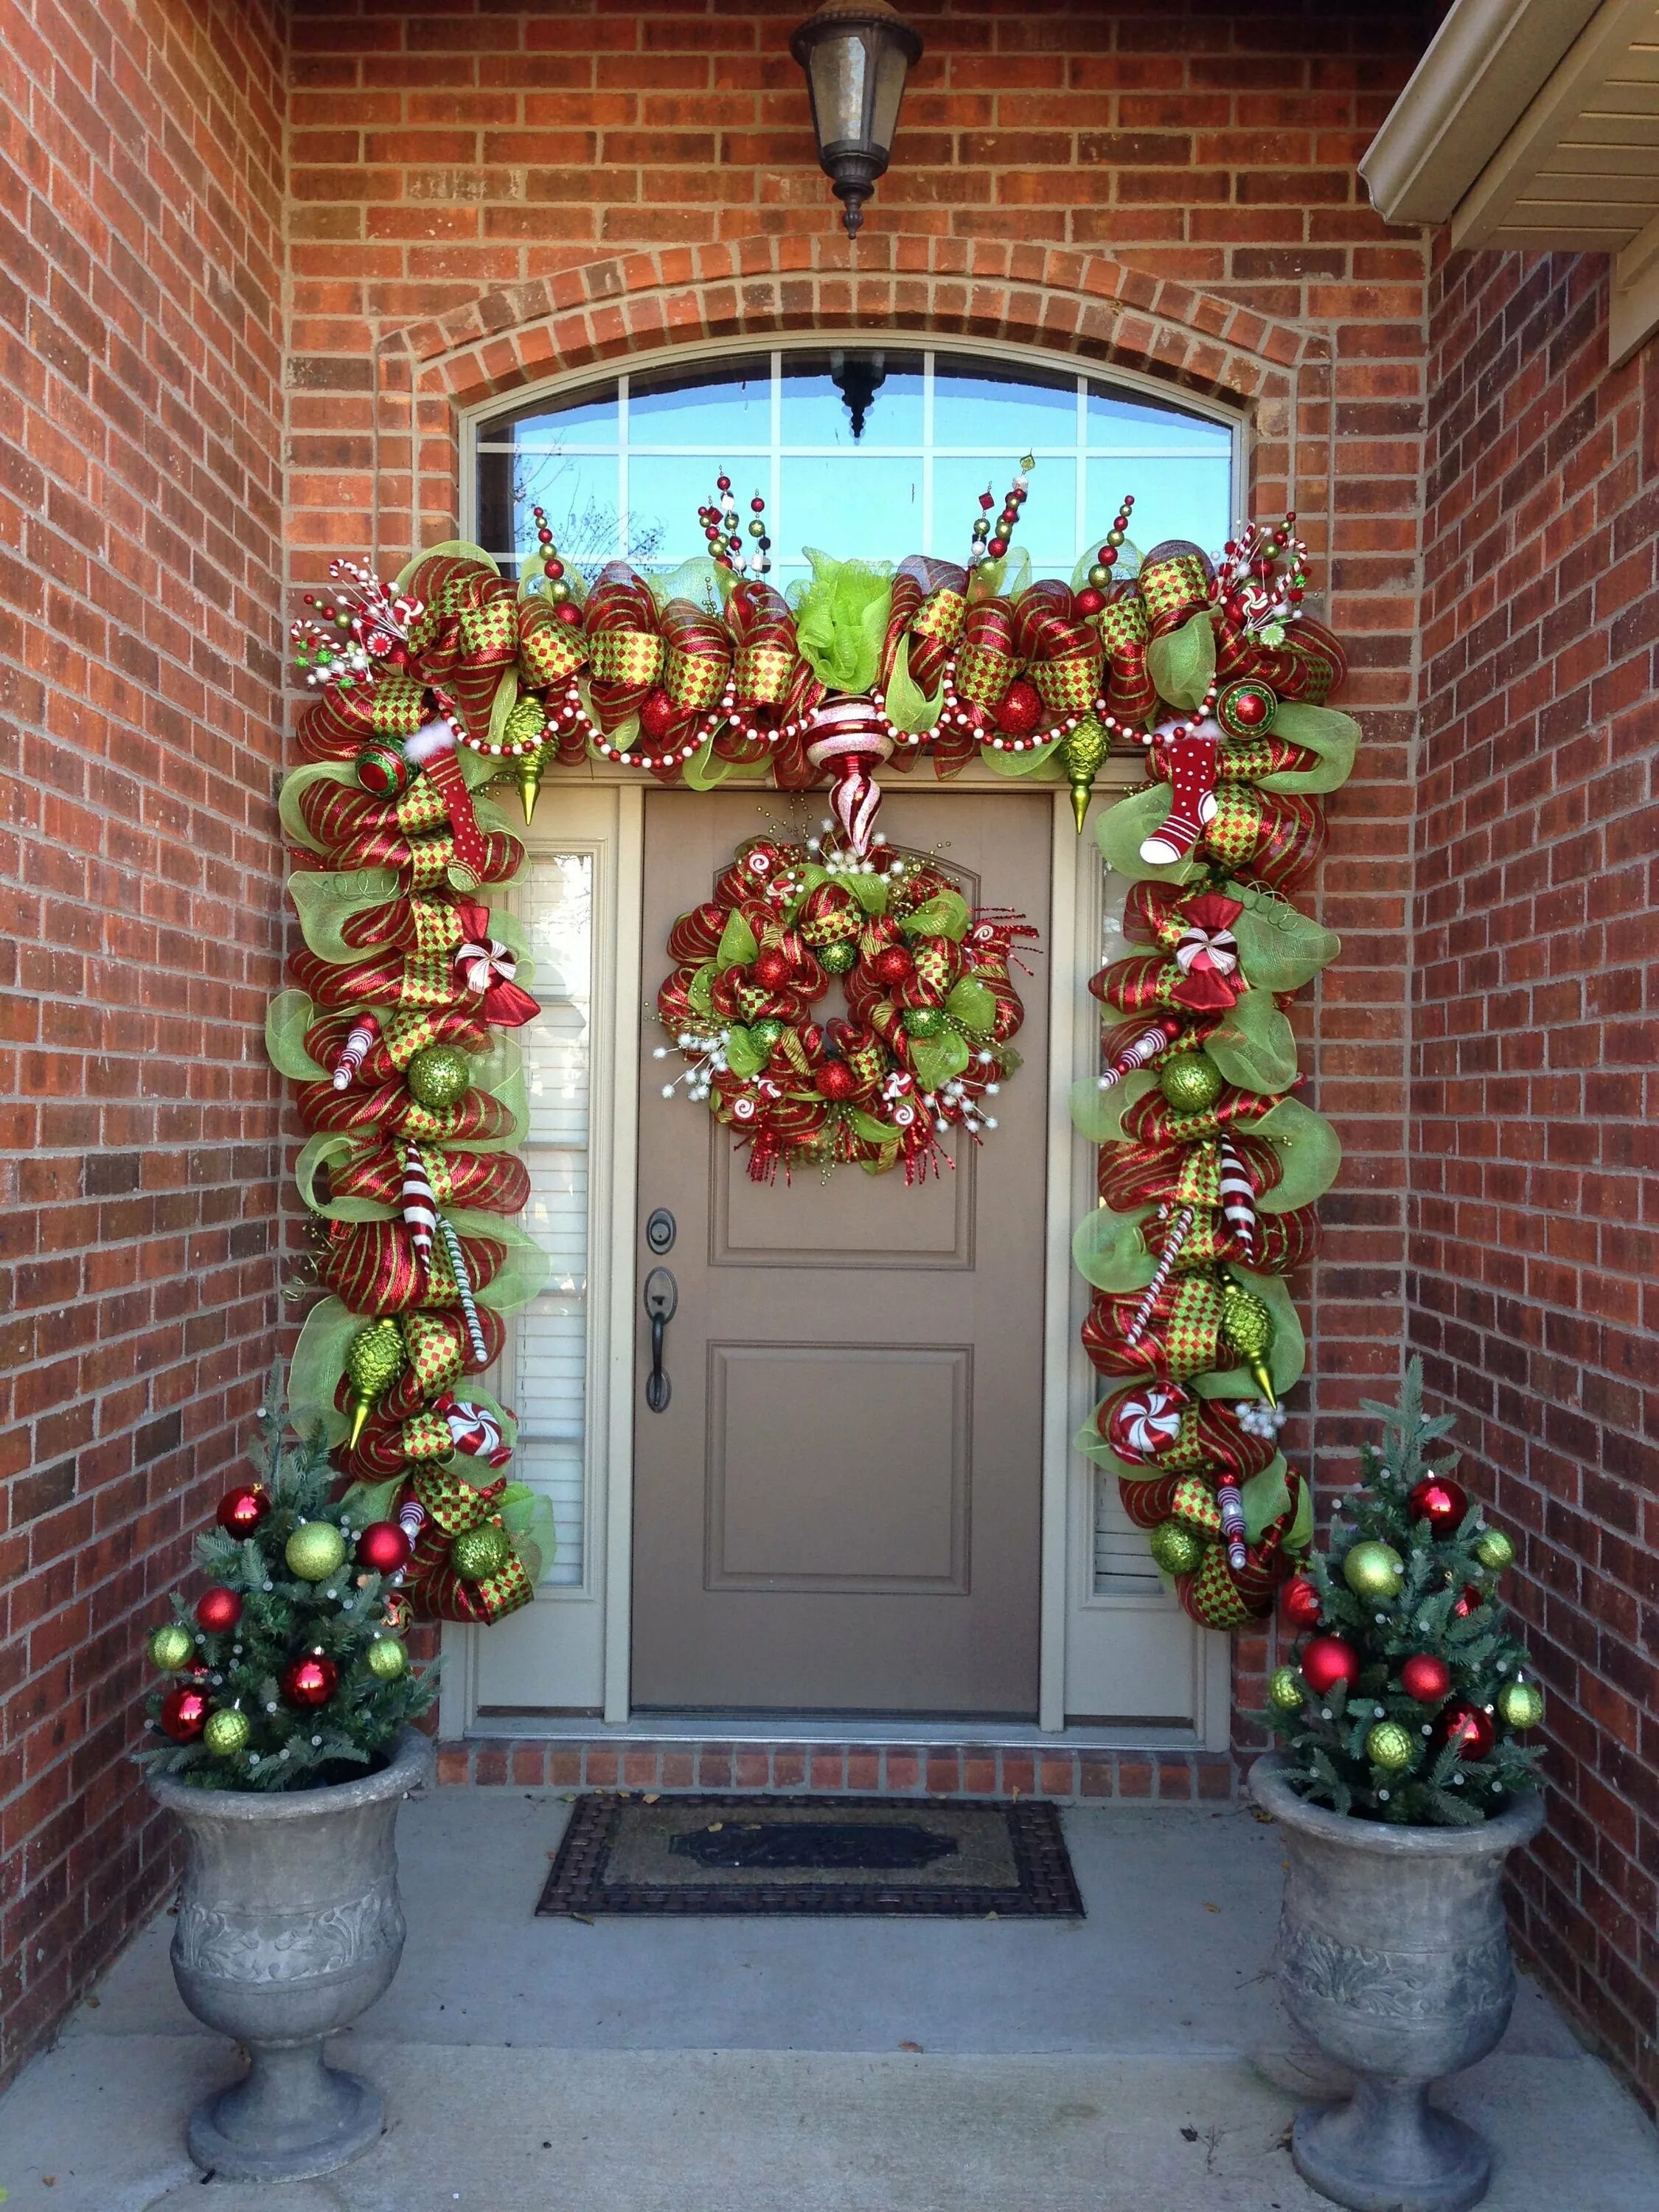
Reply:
x=567, y=611
x=310, y=1682
x=1426, y=1678
x=658, y=715
x=1441, y=1504
x=835, y=1080
x=1470, y=1727
x=892, y=965
x=1020, y=711
x=771, y=969
x=184, y=1713
x=1327, y=1661
x=1088, y=601
x=997, y=547
x=242, y=1510
x=1300, y=1602
x=218, y=1611
x=383, y=1548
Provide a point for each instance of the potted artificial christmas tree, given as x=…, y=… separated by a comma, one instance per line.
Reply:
x=285, y=1751
x=1400, y=1791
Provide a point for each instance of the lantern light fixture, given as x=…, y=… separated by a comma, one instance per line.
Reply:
x=856, y=54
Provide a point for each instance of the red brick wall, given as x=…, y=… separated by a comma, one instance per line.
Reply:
x=1533, y=1258
x=140, y=505
x=586, y=180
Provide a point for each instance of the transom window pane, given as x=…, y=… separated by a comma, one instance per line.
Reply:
x=875, y=450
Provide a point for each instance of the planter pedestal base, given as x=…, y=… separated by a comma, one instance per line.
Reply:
x=292, y=2119
x=1390, y=2150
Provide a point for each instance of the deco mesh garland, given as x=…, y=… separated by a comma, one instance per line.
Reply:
x=398, y=1031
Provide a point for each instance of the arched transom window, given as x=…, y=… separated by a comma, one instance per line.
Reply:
x=876, y=450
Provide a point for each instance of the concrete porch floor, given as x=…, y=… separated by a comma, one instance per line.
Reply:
x=821, y=2066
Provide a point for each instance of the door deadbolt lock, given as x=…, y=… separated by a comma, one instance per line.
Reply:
x=662, y=1298
x=660, y=1231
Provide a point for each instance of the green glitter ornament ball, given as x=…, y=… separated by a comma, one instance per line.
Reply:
x=227, y=1732
x=1191, y=1082
x=837, y=959
x=440, y=1076
x=387, y=1659
x=925, y=1022
x=1176, y=1550
x=1521, y=1704
x=171, y=1648
x=477, y=1553
x=1390, y=1746
x=1494, y=1550
x=315, y=1551
x=1372, y=1570
x=1284, y=1690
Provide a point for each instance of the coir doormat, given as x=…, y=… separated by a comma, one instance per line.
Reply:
x=971, y=1861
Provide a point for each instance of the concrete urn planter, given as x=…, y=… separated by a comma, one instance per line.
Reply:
x=289, y=1925
x=1395, y=1959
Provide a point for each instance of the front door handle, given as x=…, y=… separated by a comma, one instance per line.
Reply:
x=662, y=1298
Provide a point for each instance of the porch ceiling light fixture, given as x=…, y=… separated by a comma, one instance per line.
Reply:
x=856, y=54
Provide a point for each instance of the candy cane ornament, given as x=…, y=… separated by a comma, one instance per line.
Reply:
x=1140, y=1051
x=458, y=1267
x=1177, y=1237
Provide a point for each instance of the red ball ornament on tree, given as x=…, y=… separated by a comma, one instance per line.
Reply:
x=184, y=1713
x=1442, y=1504
x=1470, y=1727
x=836, y=1081
x=1473, y=1596
x=1020, y=711
x=1327, y=1661
x=1426, y=1678
x=383, y=1548
x=242, y=1510
x=658, y=715
x=892, y=965
x=310, y=1682
x=771, y=969
x=1300, y=1602
x=218, y=1611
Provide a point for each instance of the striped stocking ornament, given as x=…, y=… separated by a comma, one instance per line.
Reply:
x=1193, y=762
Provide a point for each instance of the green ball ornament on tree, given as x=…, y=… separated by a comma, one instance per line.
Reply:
x=1191, y=1083
x=387, y=1658
x=440, y=1076
x=227, y=1732
x=315, y=1551
x=1284, y=1690
x=477, y=1553
x=171, y=1647
x=1521, y=1704
x=1372, y=1570
x=1389, y=1745
x=1175, y=1549
x=1494, y=1550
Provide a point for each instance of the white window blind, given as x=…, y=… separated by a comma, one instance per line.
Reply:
x=551, y=1381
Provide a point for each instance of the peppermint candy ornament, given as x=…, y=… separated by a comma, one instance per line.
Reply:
x=1144, y=1422
x=474, y=1430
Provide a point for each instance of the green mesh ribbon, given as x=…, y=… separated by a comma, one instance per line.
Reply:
x=840, y=620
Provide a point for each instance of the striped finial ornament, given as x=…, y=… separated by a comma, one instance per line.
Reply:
x=1140, y=1051
x=1237, y=1198
x=359, y=1041
x=419, y=1208
x=1232, y=1525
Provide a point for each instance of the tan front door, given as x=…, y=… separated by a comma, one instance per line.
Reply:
x=839, y=1509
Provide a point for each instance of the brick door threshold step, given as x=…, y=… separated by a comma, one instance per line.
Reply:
x=971, y=1771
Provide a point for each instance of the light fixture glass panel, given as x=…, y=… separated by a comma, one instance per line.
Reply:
x=891, y=71
x=840, y=80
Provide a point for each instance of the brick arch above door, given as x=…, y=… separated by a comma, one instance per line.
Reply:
x=1085, y=307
